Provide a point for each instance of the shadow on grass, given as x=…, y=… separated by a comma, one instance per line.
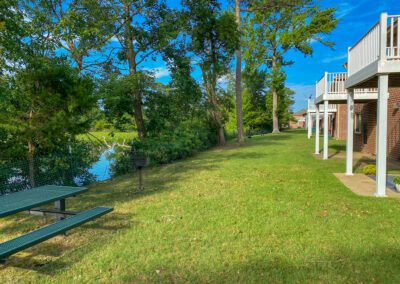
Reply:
x=338, y=148
x=115, y=193
x=341, y=266
x=50, y=253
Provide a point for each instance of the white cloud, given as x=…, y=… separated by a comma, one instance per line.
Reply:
x=114, y=39
x=331, y=59
x=159, y=72
x=223, y=80
x=347, y=7
x=312, y=41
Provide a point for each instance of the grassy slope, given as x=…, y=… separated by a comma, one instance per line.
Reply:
x=269, y=211
x=119, y=137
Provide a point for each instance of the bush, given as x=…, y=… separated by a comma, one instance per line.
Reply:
x=396, y=180
x=184, y=141
x=369, y=170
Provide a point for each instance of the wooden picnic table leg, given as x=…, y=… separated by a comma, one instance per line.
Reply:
x=60, y=205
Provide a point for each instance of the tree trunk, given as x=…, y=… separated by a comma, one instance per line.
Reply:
x=239, y=107
x=221, y=136
x=275, y=122
x=76, y=55
x=31, y=164
x=136, y=94
x=217, y=116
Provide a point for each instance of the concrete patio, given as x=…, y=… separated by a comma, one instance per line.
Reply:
x=364, y=185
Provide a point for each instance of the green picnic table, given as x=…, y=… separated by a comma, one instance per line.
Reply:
x=30, y=200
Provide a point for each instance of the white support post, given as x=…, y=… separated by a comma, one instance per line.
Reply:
x=317, y=130
x=381, y=135
x=326, y=128
x=309, y=124
x=349, y=132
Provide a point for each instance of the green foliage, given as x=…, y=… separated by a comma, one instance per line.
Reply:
x=396, y=180
x=183, y=142
x=214, y=36
x=289, y=25
x=47, y=104
x=115, y=93
x=273, y=29
x=285, y=98
x=109, y=137
x=101, y=125
x=79, y=27
x=369, y=170
x=12, y=31
x=67, y=166
x=254, y=101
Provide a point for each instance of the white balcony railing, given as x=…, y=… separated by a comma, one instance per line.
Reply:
x=393, y=38
x=320, y=88
x=331, y=84
x=365, y=91
x=312, y=107
x=381, y=42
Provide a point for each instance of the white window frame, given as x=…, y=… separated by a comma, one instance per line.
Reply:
x=357, y=114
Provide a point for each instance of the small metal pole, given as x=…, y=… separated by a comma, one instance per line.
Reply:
x=140, y=172
x=60, y=205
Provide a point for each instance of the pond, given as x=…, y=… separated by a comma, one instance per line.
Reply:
x=101, y=170
x=80, y=167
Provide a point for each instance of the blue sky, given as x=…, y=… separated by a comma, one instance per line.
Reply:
x=355, y=19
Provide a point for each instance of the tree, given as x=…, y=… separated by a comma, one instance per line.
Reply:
x=273, y=30
x=143, y=29
x=12, y=31
x=43, y=108
x=254, y=100
x=238, y=81
x=285, y=98
x=214, y=39
x=82, y=28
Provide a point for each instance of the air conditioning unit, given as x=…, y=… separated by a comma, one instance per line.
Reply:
x=396, y=105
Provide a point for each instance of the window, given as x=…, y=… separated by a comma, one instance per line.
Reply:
x=358, y=123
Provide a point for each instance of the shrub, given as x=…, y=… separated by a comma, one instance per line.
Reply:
x=182, y=142
x=369, y=170
x=396, y=180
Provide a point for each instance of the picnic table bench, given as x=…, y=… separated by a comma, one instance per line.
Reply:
x=29, y=201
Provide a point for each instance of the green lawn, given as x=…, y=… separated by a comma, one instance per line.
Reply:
x=110, y=137
x=265, y=212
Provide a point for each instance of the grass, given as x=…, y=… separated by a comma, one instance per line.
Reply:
x=265, y=212
x=110, y=137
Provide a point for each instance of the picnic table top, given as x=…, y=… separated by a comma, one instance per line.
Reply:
x=24, y=200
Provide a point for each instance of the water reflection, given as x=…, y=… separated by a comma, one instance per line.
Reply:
x=101, y=169
x=79, y=165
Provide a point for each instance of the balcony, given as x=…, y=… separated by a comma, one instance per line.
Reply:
x=377, y=52
x=331, y=87
x=312, y=107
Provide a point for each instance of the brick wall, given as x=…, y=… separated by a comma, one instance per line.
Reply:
x=394, y=124
x=366, y=141
x=296, y=123
x=341, y=123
